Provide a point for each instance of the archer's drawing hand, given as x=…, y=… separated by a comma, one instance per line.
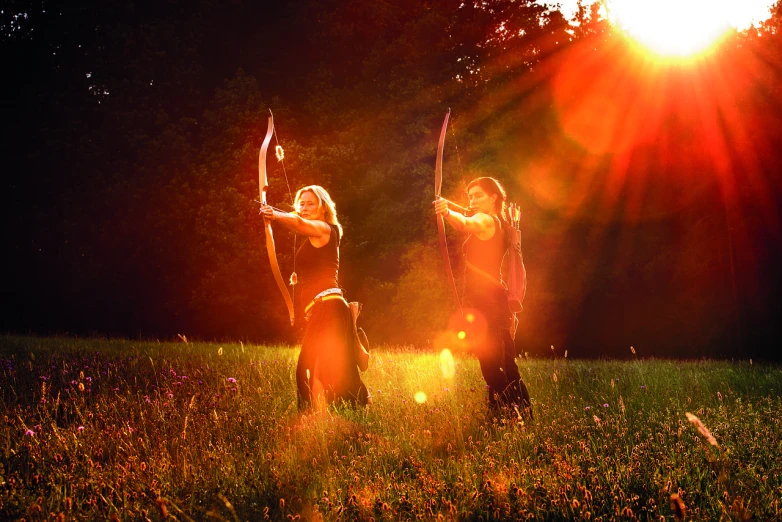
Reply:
x=441, y=207
x=268, y=213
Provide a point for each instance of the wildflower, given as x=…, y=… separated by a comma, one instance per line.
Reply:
x=632, y=350
x=231, y=380
x=80, y=428
x=643, y=387
x=29, y=433
x=588, y=408
x=170, y=395
x=605, y=405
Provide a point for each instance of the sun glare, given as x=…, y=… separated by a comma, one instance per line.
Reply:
x=671, y=27
x=682, y=28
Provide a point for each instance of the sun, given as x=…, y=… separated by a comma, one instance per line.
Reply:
x=678, y=28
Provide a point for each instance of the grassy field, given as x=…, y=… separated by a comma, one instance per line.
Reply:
x=97, y=429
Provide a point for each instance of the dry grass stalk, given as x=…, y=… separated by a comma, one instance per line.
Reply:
x=678, y=508
x=702, y=429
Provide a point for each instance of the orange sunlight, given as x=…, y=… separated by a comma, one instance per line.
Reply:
x=683, y=28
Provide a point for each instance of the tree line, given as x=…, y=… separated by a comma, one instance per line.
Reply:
x=650, y=192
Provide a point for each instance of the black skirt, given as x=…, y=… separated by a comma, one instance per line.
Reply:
x=328, y=356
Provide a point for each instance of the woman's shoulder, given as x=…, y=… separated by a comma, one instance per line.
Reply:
x=492, y=225
x=334, y=234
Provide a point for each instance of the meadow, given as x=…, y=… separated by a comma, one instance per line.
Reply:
x=129, y=430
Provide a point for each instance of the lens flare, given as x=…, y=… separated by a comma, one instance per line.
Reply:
x=464, y=331
x=420, y=397
x=447, y=365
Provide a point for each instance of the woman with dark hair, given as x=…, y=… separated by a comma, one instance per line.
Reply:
x=484, y=250
x=327, y=370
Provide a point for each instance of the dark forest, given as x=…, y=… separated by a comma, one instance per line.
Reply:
x=650, y=190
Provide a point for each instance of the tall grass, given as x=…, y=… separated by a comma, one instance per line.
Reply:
x=132, y=430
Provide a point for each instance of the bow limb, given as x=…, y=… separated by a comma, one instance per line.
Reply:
x=263, y=184
x=438, y=185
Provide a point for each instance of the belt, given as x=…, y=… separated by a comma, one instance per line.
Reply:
x=326, y=295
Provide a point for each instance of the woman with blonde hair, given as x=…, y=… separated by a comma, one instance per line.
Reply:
x=327, y=370
x=484, y=291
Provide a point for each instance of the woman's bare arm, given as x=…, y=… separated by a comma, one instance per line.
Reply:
x=304, y=227
x=480, y=225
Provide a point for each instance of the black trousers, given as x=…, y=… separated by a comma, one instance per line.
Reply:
x=497, y=357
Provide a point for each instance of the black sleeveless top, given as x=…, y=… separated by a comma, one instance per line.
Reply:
x=479, y=291
x=317, y=268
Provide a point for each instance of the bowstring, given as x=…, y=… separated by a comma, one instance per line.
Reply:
x=290, y=195
x=458, y=156
x=461, y=175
